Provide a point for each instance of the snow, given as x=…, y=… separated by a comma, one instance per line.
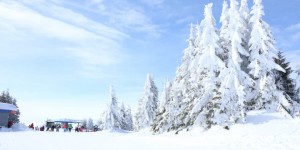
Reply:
x=15, y=127
x=4, y=106
x=262, y=130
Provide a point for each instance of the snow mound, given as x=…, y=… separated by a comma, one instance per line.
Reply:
x=16, y=127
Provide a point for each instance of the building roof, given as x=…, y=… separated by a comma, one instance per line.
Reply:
x=67, y=121
x=5, y=106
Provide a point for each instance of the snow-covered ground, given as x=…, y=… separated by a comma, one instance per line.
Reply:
x=263, y=131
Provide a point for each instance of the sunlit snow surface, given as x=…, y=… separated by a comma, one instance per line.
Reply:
x=263, y=131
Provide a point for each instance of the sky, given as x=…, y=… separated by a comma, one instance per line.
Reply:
x=59, y=57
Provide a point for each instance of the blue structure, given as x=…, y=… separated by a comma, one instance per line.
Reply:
x=5, y=110
x=63, y=123
x=67, y=121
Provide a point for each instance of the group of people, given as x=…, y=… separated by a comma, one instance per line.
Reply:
x=31, y=126
x=51, y=126
x=67, y=127
x=79, y=129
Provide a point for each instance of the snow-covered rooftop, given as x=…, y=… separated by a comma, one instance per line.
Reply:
x=4, y=106
x=65, y=120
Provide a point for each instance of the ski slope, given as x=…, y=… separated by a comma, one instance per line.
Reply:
x=263, y=131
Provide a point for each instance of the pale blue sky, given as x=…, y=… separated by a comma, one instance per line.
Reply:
x=62, y=55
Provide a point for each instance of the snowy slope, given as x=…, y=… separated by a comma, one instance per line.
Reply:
x=263, y=130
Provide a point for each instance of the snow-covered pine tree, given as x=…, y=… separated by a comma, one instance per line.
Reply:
x=90, y=124
x=237, y=36
x=84, y=123
x=283, y=80
x=205, y=71
x=112, y=119
x=15, y=118
x=298, y=83
x=262, y=54
x=244, y=12
x=288, y=97
x=100, y=124
x=224, y=33
x=161, y=121
x=138, y=116
x=6, y=98
x=244, y=31
x=129, y=119
x=126, y=118
x=123, y=117
x=165, y=96
x=148, y=105
x=228, y=102
x=181, y=85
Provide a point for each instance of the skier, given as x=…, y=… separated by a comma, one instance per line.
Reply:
x=31, y=126
x=70, y=127
x=52, y=128
x=42, y=128
x=57, y=128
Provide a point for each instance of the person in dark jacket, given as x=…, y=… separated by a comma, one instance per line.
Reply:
x=42, y=128
x=9, y=124
x=31, y=126
x=52, y=128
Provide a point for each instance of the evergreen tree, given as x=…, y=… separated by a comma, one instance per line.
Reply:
x=227, y=105
x=237, y=36
x=100, y=125
x=224, y=32
x=180, y=88
x=222, y=76
x=165, y=96
x=138, y=116
x=298, y=83
x=90, y=124
x=282, y=79
x=245, y=33
x=15, y=118
x=162, y=120
x=128, y=118
x=244, y=11
x=112, y=119
x=123, y=117
x=148, y=104
x=182, y=83
x=84, y=123
x=205, y=73
x=262, y=54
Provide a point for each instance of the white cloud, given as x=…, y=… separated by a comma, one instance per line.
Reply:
x=185, y=20
x=124, y=15
x=92, y=43
x=134, y=19
x=294, y=27
x=153, y=2
x=294, y=30
x=288, y=37
x=292, y=56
